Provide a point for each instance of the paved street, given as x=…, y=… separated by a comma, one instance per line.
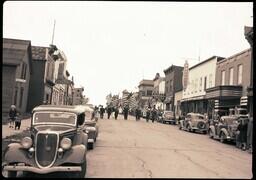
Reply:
x=141, y=149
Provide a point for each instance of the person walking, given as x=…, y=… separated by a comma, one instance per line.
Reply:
x=116, y=113
x=154, y=114
x=102, y=110
x=137, y=114
x=249, y=134
x=126, y=111
x=147, y=114
x=17, y=121
x=12, y=115
x=109, y=111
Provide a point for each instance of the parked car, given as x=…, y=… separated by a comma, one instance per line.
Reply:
x=168, y=117
x=92, y=130
x=224, y=129
x=57, y=143
x=194, y=122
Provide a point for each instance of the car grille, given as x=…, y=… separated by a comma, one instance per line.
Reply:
x=91, y=135
x=46, y=148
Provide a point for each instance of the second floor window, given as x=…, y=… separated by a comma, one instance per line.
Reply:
x=205, y=82
x=149, y=93
x=23, y=70
x=201, y=83
x=222, y=78
x=210, y=80
x=240, y=74
x=231, y=78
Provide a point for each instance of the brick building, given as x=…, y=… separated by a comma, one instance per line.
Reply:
x=16, y=74
x=173, y=83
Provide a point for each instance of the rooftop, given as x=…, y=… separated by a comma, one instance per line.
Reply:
x=213, y=57
x=39, y=53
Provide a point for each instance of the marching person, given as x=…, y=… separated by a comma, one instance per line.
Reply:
x=12, y=115
x=147, y=114
x=137, y=114
x=126, y=111
x=109, y=111
x=116, y=113
x=249, y=134
x=102, y=110
x=154, y=114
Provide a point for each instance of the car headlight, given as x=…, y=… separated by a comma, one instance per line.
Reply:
x=26, y=142
x=65, y=143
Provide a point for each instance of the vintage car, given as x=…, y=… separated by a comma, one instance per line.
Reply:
x=194, y=122
x=92, y=130
x=57, y=143
x=224, y=129
x=167, y=117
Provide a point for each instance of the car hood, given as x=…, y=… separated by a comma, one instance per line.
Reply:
x=55, y=128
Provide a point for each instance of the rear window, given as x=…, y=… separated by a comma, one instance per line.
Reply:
x=169, y=113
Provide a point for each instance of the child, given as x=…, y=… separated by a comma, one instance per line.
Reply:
x=17, y=121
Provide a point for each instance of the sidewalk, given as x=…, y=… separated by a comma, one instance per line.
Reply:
x=6, y=131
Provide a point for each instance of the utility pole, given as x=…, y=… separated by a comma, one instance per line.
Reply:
x=53, y=31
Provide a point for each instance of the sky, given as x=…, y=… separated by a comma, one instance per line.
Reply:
x=112, y=46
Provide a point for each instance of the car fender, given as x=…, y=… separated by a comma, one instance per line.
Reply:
x=15, y=153
x=81, y=138
x=223, y=130
x=76, y=155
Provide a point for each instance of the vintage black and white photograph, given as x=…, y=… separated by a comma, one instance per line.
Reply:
x=127, y=89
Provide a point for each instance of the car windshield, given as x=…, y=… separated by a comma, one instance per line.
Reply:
x=199, y=117
x=54, y=118
x=230, y=121
x=169, y=113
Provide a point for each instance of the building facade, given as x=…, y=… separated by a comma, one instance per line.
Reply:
x=248, y=32
x=232, y=80
x=146, y=88
x=158, y=95
x=78, y=97
x=173, y=83
x=200, y=77
x=16, y=74
x=177, y=104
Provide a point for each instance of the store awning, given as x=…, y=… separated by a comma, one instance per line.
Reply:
x=223, y=92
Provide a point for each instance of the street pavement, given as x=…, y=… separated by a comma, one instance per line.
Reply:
x=126, y=148
x=6, y=131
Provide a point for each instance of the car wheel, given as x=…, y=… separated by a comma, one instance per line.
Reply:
x=90, y=145
x=222, y=137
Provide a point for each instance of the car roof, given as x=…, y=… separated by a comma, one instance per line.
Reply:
x=78, y=109
x=195, y=114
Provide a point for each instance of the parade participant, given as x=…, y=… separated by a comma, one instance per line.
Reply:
x=250, y=134
x=137, y=114
x=102, y=110
x=126, y=111
x=147, y=114
x=109, y=111
x=154, y=114
x=116, y=113
x=12, y=115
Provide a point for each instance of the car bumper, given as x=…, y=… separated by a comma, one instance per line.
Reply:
x=43, y=170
